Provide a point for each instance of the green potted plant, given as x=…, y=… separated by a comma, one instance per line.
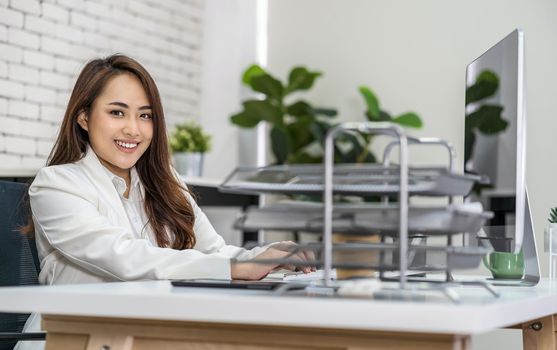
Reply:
x=553, y=216
x=189, y=143
x=375, y=113
x=298, y=129
x=550, y=240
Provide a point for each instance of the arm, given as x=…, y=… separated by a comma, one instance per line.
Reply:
x=208, y=240
x=65, y=211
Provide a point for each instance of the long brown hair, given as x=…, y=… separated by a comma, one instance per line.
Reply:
x=166, y=204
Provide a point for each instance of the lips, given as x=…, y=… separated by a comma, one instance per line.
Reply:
x=126, y=146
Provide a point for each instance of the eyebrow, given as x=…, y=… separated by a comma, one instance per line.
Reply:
x=123, y=105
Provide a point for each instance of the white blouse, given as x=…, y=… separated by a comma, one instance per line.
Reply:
x=133, y=205
x=87, y=232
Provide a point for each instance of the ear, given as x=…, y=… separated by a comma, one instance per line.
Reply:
x=82, y=120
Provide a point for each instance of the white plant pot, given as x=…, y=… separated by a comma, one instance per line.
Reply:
x=189, y=164
x=550, y=238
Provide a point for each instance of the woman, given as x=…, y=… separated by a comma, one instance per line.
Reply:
x=109, y=207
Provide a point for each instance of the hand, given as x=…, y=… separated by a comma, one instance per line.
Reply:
x=303, y=255
x=256, y=271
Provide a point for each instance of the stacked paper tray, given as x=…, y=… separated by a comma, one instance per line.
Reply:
x=384, y=256
x=364, y=219
x=355, y=179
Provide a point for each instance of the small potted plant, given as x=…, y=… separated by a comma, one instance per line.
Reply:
x=553, y=216
x=550, y=240
x=188, y=143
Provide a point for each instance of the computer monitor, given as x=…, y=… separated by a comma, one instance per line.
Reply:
x=495, y=139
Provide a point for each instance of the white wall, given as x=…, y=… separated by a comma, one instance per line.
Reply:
x=414, y=54
x=229, y=47
x=44, y=44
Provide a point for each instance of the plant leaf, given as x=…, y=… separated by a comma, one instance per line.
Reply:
x=487, y=119
x=301, y=79
x=264, y=110
x=280, y=144
x=267, y=85
x=355, y=149
x=410, y=120
x=300, y=108
x=303, y=157
x=300, y=132
x=372, y=103
x=486, y=85
x=319, y=130
x=553, y=215
x=250, y=72
x=328, y=112
x=245, y=120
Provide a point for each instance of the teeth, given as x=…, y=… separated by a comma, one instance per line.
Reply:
x=126, y=145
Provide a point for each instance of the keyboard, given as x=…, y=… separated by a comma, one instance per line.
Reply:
x=310, y=276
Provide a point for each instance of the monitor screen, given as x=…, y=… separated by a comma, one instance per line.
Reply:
x=495, y=138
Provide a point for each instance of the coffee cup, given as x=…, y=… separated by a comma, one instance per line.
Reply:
x=505, y=265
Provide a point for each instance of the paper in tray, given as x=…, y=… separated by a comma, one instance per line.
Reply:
x=366, y=218
x=364, y=179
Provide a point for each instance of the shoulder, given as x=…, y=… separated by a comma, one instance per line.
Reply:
x=60, y=176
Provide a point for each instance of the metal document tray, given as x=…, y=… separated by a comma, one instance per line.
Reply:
x=384, y=256
x=355, y=179
x=364, y=219
x=437, y=258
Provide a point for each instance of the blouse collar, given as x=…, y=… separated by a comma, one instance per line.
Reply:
x=118, y=182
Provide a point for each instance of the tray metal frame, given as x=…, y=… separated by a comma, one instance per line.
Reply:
x=328, y=188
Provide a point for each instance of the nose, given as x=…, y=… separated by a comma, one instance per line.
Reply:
x=131, y=127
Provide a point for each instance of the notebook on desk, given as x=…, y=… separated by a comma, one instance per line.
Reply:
x=234, y=284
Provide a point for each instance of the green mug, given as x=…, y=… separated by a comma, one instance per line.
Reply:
x=504, y=265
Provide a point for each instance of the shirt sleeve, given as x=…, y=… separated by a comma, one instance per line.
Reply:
x=66, y=214
x=209, y=241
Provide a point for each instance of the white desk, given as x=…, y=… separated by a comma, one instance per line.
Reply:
x=153, y=315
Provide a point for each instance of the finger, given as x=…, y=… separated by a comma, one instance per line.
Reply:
x=308, y=255
x=313, y=258
x=300, y=256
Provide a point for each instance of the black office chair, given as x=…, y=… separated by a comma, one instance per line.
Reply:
x=19, y=263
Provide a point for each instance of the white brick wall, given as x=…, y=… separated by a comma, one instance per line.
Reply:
x=45, y=43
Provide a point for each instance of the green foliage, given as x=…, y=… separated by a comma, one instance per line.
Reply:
x=298, y=129
x=553, y=215
x=375, y=114
x=487, y=118
x=486, y=85
x=189, y=137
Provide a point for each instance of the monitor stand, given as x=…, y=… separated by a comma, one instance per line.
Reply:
x=531, y=264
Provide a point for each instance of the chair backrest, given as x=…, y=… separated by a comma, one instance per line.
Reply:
x=19, y=263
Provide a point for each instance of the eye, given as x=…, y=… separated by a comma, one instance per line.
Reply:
x=117, y=112
x=146, y=116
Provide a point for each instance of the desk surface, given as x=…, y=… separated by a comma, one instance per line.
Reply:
x=479, y=312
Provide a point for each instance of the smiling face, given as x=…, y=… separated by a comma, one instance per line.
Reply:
x=120, y=124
